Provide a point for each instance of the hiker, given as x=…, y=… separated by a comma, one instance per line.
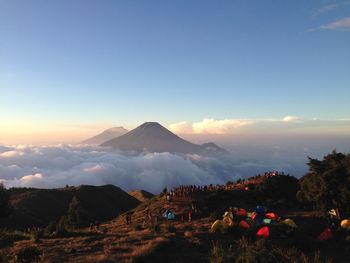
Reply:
x=189, y=216
x=97, y=224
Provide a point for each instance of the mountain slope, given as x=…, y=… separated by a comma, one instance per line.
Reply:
x=141, y=195
x=153, y=137
x=106, y=135
x=38, y=207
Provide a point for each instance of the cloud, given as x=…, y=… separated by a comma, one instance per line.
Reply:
x=288, y=123
x=343, y=23
x=210, y=126
x=325, y=9
x=291, y=118
x=57, y=166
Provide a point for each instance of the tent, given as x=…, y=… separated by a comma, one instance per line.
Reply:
x=325, y=235
x=244, y=224
x=271, y=215
x=168, y=214
x=228, y=222
x=263, y=232
x=228, y=215
x=290, y=223
x=241, y=212
x=216, y=226
x=267, y=221
x=345, y=224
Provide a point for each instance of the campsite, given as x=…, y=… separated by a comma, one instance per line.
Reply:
x=259, y=219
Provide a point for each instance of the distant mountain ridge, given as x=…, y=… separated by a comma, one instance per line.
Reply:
x=106, y=135
x=153, y=137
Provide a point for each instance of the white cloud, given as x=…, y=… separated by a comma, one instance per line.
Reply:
x=343, y=23
x=181, y=127
x=287, y=123
x=210, y=126
x=11, y=154
x=57, y=166
x=291, y=118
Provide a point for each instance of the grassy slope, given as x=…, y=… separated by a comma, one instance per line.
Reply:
x=191, y=242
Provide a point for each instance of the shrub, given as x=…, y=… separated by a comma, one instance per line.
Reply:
x=28, y=254
x=328, y=182
x=37, y=235
x=156, y=228
x=138, y=227
x=61, y=227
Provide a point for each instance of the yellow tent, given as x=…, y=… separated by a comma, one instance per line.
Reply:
x=345, y=224
x=228, y=222
x=290, y=223
x=216, y=226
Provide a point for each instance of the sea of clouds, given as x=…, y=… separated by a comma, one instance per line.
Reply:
x=60, y=165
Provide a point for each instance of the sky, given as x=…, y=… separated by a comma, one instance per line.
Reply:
x=69, y=69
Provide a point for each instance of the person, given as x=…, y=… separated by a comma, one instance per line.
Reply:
x=189, y=216
x=97, y=224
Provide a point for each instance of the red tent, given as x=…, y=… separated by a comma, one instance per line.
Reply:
x=253, y=216
x=243, y=224
x=272, y=216
x=241, y=212
x=325, y=235
x=263, y=232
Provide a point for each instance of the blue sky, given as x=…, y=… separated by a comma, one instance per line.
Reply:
x=126, y=62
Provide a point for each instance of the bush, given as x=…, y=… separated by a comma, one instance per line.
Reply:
x=328, y=182
x=61, y=227
x=5, y=206
x=37, y=235
x=28, y=254
x=156, y=228
x=138, y=227
x=50, y=228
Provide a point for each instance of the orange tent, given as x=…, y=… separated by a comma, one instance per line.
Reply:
x=263, y=232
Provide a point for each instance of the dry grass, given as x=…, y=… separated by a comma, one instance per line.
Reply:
x=147, y=249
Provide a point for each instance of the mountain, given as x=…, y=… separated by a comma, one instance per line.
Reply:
x=38, y=207
x=141, y=195
x=106, y=135
x=153, y=137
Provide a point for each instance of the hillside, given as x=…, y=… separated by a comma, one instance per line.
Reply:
x=141, y=195
x=38, y=207
x=174, y=241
